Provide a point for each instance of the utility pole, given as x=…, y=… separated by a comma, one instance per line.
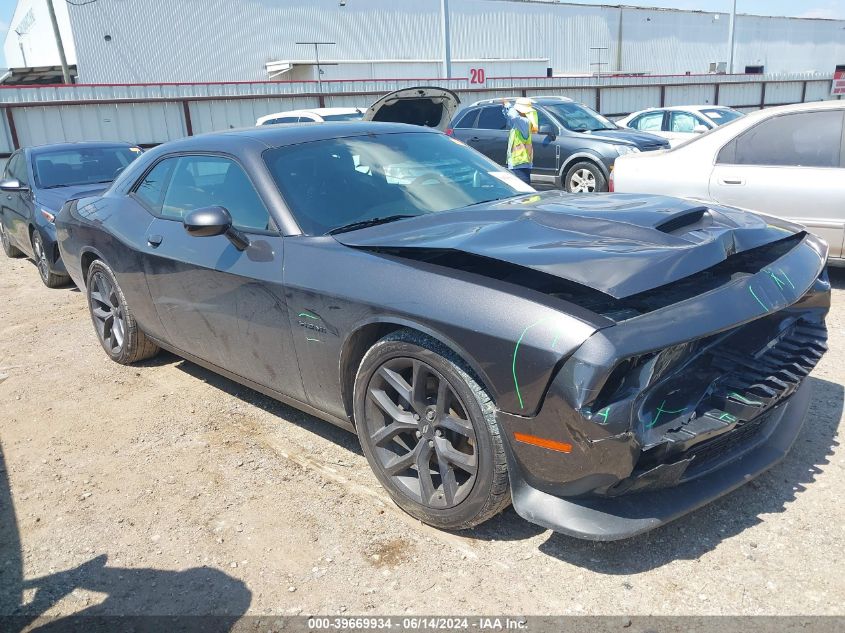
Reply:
x=62, y=58
x=317, y=59
x=732, y=39
x=447, y=40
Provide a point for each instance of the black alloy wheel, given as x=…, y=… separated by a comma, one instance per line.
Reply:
x=428, y=429
x=116, y=328
x=421, y=433
x=107, y=312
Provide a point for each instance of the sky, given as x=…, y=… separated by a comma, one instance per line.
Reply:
x=798, y=8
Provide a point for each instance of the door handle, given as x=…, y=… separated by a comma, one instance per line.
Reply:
x=154, y=240
x=474, y=139
x=731, y=181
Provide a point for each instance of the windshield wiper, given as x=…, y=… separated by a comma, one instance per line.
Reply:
x=360, y=224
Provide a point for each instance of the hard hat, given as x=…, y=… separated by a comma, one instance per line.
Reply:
x=523, y=105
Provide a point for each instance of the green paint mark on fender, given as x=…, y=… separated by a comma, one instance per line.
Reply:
x=513, y=365
x=744, y=400
x=753, y=294
x=727, y=417
x=603, y=414
x=313, y=340
x=308, y=315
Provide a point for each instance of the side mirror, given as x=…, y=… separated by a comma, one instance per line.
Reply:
x=211, y=221
x=548, y=130
x=12, y=184
x=700, y=129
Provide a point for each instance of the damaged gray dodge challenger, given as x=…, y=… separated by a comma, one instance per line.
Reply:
x=607, y=363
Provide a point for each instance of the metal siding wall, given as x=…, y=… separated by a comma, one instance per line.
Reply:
x=782, y=92
x=212, y=116
x=231, y=40
x=818, y=91
x=690, y=95
x=225, y=106
x=623, y=100
x=137, y=123
x=6, y=146
x=740, y=94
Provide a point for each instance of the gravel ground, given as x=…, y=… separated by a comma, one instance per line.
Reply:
x=164, y=489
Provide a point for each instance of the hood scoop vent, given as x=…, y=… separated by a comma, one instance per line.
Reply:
x=682, y=221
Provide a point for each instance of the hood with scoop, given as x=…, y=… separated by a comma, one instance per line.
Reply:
x=428, y=106
x=618, y=244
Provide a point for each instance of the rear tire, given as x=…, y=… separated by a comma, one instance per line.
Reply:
x=116, y=329
x=584, y=177
x=11, y=251
x=429, y=432
x=50, y=279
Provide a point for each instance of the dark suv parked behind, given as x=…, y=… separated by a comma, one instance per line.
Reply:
x=576, y=146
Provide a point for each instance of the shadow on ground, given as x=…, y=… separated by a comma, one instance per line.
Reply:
x=701, y=531
x=315, y=425
x=203, y=598
x=687, y=538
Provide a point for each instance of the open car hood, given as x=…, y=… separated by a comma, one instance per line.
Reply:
x=618, y=244
x=428, y=106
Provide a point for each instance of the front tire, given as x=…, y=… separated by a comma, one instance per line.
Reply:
x=50, y=279
x=584, y=177
x=117, y=331
x=11, y=251
x=429, y=432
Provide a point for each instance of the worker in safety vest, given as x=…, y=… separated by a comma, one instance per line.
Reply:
x=522, y=120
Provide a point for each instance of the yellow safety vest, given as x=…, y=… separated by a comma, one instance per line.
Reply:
x=520, y=148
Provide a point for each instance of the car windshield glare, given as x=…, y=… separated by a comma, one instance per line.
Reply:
x=82, y=166
x=578, y=118
x=721, y=116
x=333, y=183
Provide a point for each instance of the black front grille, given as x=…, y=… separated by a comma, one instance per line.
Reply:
x=740, y=438
x=739, y=378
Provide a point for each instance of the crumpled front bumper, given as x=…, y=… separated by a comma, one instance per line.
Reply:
x=658, y=415
x=615, y=518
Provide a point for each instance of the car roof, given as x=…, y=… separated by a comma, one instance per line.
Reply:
x=291, y=134
x=317, y=111
x=54, y=147
x=795, y=107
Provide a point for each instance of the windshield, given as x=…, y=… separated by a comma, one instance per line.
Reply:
x=331, y=183
x=349, y=116
x=82, y=166
x=579, y=118
x=722, y=115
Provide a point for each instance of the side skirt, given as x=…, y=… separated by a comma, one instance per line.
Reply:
x=267, y=391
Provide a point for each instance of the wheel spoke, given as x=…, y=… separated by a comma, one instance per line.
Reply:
x=418, y=387
x=383, y=401
x=423, y=462
x=101, y=313
x=398, y=383
x=447, y=476
x=400, y=463
x=390, y=431
x=465, y=462
x=450, y=422
x=444, y=398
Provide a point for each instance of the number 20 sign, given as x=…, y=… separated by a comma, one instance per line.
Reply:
x=477, y=76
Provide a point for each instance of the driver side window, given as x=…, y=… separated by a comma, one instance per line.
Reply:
x=181, y=184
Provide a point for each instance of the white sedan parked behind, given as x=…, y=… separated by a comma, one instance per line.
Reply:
x=313, y=115
x=680, y=123
x=787, y=161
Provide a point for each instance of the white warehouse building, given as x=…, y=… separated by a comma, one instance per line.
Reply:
x=146, y=41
